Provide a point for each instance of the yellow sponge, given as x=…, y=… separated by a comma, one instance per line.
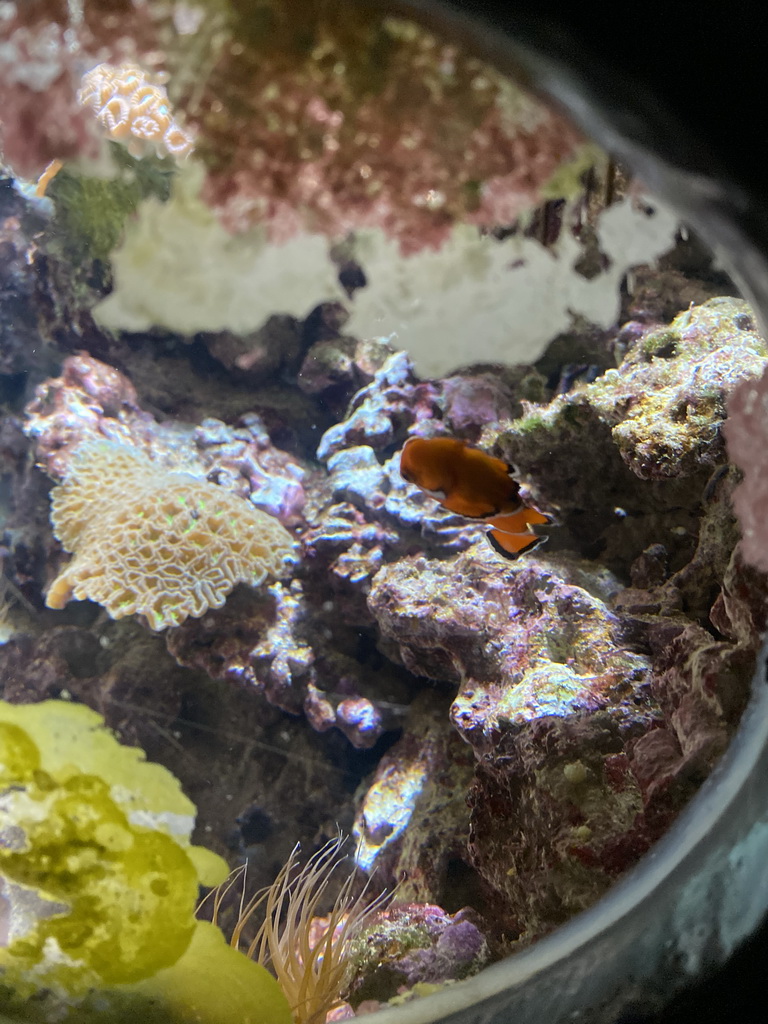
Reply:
x=156, y=542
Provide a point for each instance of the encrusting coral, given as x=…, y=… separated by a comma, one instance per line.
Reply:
x=99, y=883
x=155, y=542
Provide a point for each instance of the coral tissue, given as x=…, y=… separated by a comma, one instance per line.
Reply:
x=155, y=542
x=132, y=105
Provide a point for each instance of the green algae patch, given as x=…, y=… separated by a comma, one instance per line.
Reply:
x=568, y=179
x=90, y=212
x=100, y=883
x=660, y=411
x=98, y=872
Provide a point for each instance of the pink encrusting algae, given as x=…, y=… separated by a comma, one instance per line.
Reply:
x=746, y=433
x=328, y=123
x=319, y=132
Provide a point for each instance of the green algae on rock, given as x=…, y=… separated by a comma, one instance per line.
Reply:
x=664, y=402
x=97, y=842
x=666, y=416
x=90, y=212
x=623, y=462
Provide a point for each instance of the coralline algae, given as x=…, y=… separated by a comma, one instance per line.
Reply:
x=93, y=401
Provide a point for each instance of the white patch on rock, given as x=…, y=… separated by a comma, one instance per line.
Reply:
x=480, y=300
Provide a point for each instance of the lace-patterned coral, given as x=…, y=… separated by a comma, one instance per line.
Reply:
x=151, y=541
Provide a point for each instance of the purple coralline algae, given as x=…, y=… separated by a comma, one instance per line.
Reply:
x=506, y=735
x=287, y=643
x=412, y=822
x=588, y=735
x=594, y=709
x=664, y=404
x=544, y=669
x=667, y=399
x=370, y=514
x=91, y=400
x=543, y=720
x=286, y=647
x=656, y=419
x=415, y=944
x=384, y=409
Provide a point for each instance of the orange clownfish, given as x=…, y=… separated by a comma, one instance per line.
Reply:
x=471, y=483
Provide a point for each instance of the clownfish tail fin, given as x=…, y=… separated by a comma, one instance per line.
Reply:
x=512, y=545
x=535, y=518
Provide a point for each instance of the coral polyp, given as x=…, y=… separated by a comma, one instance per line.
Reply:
x=132, y=106
x=309, y=955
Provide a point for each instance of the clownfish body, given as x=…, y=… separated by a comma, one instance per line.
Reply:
x=472, y=483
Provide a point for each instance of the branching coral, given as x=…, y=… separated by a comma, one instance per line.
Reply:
x=154, y=542
x=308, y=955
x=133, y=107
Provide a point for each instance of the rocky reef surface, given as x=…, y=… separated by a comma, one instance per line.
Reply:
x=502, y=738
x=509, y=736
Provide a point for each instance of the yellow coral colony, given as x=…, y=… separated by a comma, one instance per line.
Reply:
x=99, y=881
x=156, y=542
x=132, y=105
x=98, y=874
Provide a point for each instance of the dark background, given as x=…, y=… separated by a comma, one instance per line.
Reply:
x=737, y=994
x=695, y=73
